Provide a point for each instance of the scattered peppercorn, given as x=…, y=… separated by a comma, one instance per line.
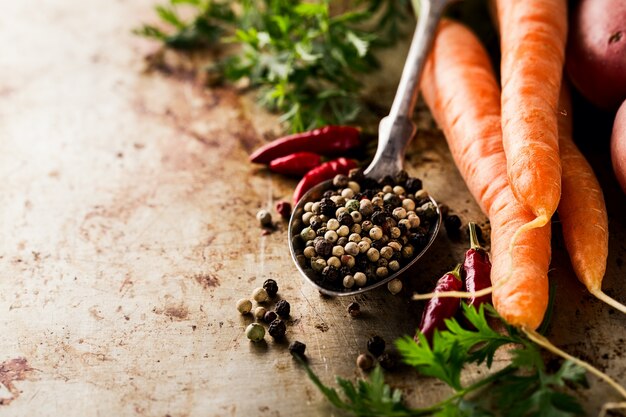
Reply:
x=453, y=225
x=259, y=313
x=255, y=332
x=354, y=309
x=395, y=285
x=259, y=295
x=244, y=306
x=284, y=209
x=364, y=361
x=297, y=348
x=271, y=287
x=282, y=308
x=269, y=317
x=277, y=329
x=376, y=345
x=264, y=217
x=387, y=360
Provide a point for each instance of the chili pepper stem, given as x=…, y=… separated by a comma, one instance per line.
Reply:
x=457, y=272
x=474, y=244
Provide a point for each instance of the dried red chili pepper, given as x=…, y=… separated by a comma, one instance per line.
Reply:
x=439, y=309
x=298, y=163
x=326, y=141
x=324, y=172
x=477, y=269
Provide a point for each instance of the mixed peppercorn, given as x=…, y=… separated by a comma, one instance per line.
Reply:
x=362, y=230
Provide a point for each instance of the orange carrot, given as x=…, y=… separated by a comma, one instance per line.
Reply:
x=582, y=210
x=532, y=43
x=460, y=88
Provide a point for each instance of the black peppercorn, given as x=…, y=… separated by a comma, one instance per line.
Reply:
x=376, y=345
x=418, y=239
x=277, y=329
x=453, y=225
x=269, y=317
x=361, y=261
x=282, y=308
x=354, y=309
x=321, y=231
x=297, y=348
x=323, y=248
x=379, y=217
x=401, y=177
x=328, y=194
x=315, y=223
x=328, y=207
x=330, y=273
x=345, y=219
x=342, y=241
x=378, y=244
x=356, y=175
x=392, y=199
x=271, y=287
x=344, y=270
x=388, y=224
x=444, y=209
x=413, y=185
x=387, y=361
x=387, y=180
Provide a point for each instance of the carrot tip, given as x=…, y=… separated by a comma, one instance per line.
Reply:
x=600, y=295
x=536, y=223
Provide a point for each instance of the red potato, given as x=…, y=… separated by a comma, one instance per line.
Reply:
x=596, y=52
x=618, y=146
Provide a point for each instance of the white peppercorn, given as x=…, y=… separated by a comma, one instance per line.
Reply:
x=382, y=272
x=366, y=226
x=407, y=251
x=408, y=204
x=308, y=206
x=360, y=279
x=404, y=224
x=356, y=216
x=395, y=233
x=259, y=312
x=255, y=332
x=421, y=194
x=376, y=233
x=331, y=236
x=352, y=248
x=309, y=251
x=354, y=237
x=334, y=198
x=334, y=262
x=356, y=228
x=332, y=224
x=373, y=254
x=343, y=231
x=363, y=246
x=347, y=193
x=399, y=213
x=260, y=295
x=264, y=217
x=398, y=190
x=244, y=306
x=378, y=201
x=386, y=252
x=354, y=186
x=306, y=217
x=315, y=208
x=348, y=281
x=318, y=265
x=340, y=180
x=394, y=286
x=366, y=208
x=395, y=246
x=338, y=251
x=348, y=260
x=415, y=221
x=394, y=265
x=387, y=189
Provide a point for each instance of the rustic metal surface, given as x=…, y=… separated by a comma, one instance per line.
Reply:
x=127, y=234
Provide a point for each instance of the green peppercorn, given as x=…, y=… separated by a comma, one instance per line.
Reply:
x=297, y=348
x=282, y=308
x=271, y=287
x=255, y=332
x=307, y=234
x=352, y=205
x=277, y=329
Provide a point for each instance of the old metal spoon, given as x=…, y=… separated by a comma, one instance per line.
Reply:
x=394, y=133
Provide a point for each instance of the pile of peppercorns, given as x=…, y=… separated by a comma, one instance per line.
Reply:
x=363, y=230
x=274, y=319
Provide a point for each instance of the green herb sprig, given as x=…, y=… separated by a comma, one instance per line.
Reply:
x=522, y=388
x=304, y=58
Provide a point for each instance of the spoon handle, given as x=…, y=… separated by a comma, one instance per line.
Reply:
x=397, y=129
